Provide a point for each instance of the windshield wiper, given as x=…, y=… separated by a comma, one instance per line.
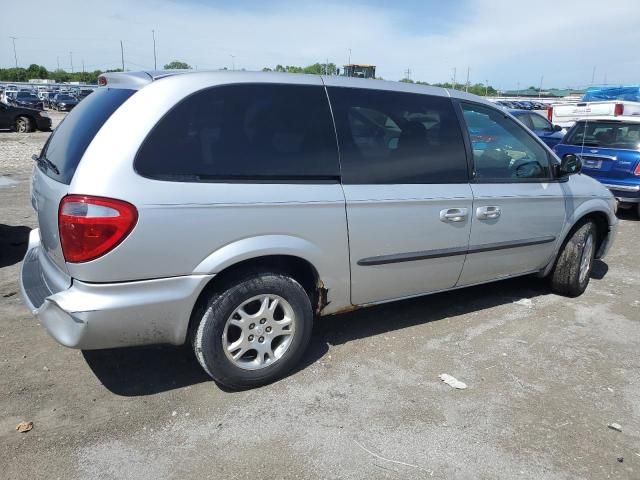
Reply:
x=46, y=162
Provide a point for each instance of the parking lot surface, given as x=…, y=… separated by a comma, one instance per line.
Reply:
x=546, y=375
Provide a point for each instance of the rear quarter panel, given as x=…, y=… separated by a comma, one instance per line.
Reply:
x=201, y=228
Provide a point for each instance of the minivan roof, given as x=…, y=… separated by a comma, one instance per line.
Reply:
x=137, y=80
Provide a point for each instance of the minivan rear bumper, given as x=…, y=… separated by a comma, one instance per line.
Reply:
x=109, y=315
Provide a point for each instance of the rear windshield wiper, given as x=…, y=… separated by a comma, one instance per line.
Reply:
x=46, y=162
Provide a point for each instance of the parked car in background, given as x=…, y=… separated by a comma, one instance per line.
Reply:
x=23, y=120
x=27, y=99
x=8, y=95
x=235, y=181
x=610, y=153
x=609, y=102
x=64, y=102
x=84, y=93
x=548, y=133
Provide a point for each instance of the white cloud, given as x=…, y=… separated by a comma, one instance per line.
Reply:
x=503, y=41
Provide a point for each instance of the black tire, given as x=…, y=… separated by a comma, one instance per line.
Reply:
x=207, y=339
x=23, y=125
x=565, y=278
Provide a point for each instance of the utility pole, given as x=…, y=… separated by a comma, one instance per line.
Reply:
x=122, y=54
x=15, y=56
x=349, y=60
x=593, y=75
x=466, y=88
x=58, y=62
x=540, y=89
x=486, y=88
x=407, y=74
x=518, y=90
x=71, y=60
x=454, y=78
x=83, y=65
x=155, y=66
x=233, y=62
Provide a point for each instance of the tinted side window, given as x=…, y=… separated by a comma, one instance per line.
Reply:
x=391, y=137
x=502, y=149
x=244, y=132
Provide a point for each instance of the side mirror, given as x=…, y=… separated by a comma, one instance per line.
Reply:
x=570, y=165
x=557, y=128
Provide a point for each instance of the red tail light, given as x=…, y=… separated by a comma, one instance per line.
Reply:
x=637, y=170
x=618, y=110
x=550, y=114
x=92, y=226
x=102, y=81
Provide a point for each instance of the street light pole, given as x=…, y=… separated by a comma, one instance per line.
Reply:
x=486, y=88
x=155, y=66
x=540, y=89
x=71, y=60
x=233, y=62
x=15, y=56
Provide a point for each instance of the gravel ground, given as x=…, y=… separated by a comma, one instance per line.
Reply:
x=545, y=377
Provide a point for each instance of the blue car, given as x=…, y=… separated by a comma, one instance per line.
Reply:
x=610, y=153
x=548, y=133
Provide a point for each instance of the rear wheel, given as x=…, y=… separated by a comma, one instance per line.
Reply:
x=573, y=268
x=23, y=125
x=254, y=332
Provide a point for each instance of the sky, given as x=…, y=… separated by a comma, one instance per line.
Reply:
x=509, y=43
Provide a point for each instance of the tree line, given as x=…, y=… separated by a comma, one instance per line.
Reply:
x=61, y=76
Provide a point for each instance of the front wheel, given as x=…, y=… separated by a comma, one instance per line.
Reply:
x=23, y=125
x=573, y=268
x=255, y=332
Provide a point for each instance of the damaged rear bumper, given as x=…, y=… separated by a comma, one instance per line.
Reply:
x=98, y=315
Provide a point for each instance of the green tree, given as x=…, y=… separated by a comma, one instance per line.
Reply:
x=37, y=71
x=177, y=65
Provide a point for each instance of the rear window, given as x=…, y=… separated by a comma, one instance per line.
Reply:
x=605, y=135
x=244, y=132
x=68, y=142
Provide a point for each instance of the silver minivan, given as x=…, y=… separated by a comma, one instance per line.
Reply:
x=229, y=209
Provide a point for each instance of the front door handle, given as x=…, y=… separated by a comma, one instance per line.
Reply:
x=488, y=212
x=453, y=215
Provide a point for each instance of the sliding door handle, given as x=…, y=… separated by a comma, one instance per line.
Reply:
x=488, y=212
x=453, y=215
